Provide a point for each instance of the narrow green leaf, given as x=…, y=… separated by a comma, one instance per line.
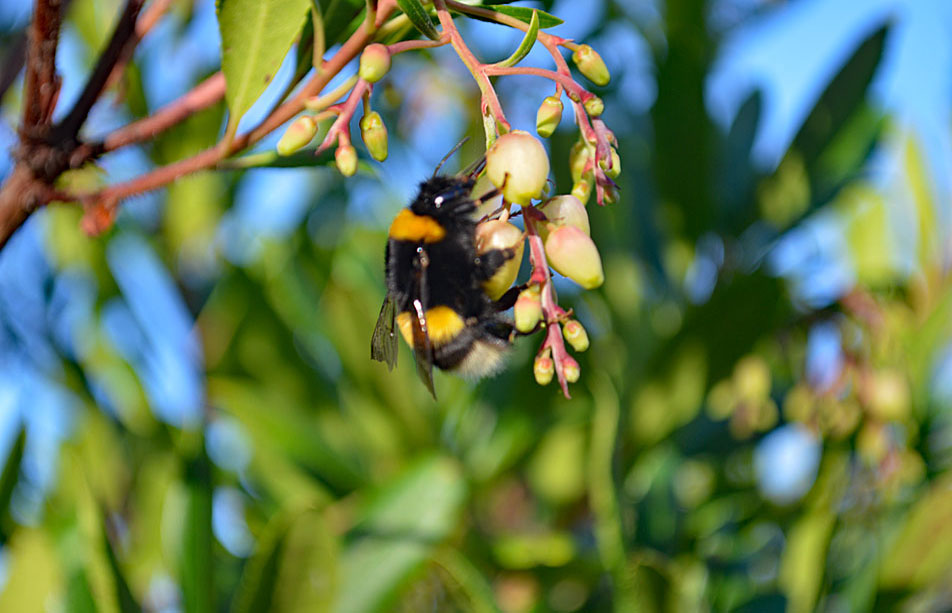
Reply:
x=293, y=569
x=524, y=13
x=415, y=12
x=8, y=480
x=127, y=602
x=255, y=35
x=398, y=532
x=196, y=562
x=527, y=41
x=473, y=583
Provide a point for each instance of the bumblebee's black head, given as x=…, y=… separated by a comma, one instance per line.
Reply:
x=444, y=197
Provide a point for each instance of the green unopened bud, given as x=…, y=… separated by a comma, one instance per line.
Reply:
x=591, y=65
x=576, y=335
x=501, y=235
x=518, y=164
x=528, y=309
x=548, y=116
x=572, y=253
x=571, y=369
x=594, y=106
x=888, y=395
x=615, y=169
x=374, y=62
x=565, y=211
x=579, y=156
x=346, y=158
x=582, y=190
x=543, y=369
x=298, y=135
x=373, y=131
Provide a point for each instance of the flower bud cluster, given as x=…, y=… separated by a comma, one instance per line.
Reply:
x=518, y=166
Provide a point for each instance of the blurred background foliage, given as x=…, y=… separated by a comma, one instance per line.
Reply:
x=190, y=421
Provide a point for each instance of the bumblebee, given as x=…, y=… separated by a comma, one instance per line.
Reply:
x=434, y=286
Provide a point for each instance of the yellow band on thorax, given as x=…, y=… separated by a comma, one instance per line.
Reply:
x=408, y=226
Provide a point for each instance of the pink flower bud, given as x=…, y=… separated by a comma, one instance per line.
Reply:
x=518, y=164
x=594, y=106
x=571, y=369
x=582, y=190
x=374, y=62
x=565, y=211
x=576, y=335
x=591, y=65
x=548, y=116
x=498, y=234
x=374, y=134
x=528, y=309
x=298, y=135
x=346, y=158
x=579, y=156
x=615, y=169
x=543, y=369
x=572, y=253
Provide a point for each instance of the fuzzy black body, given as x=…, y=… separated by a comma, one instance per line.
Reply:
x=434, y=286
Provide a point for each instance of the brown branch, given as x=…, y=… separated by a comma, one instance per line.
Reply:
x=202, y=96
x=41, y=84
x=122, y=36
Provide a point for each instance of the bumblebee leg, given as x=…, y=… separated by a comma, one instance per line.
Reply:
x=508, y=300
x=488, y=263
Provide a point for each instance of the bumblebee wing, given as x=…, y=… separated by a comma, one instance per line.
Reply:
x=383, y=344
x=422, y=348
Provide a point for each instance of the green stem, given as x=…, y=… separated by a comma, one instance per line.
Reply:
x=602, y=497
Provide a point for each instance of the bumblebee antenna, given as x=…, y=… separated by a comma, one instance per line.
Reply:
x=473, y=170
x=447, y=156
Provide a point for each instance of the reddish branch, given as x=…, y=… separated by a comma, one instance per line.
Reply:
x=202, y=96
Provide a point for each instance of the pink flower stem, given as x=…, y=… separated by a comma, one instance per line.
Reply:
x=551, y=312
x=490, y=101
x=340, y=129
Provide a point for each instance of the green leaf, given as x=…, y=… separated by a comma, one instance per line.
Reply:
x=526, y=14
x=293, y=569
x=527, y=41
x=124, y=597
x=921, y=552
x=397, y=533
x=8, y=480
x=255, y=37
x=415, y=12
x=196, y=562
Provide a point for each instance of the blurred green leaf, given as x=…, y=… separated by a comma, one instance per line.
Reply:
x=196, y=562
x=294, y=567
x=255, y=35
x=523, y=13
x=921, y=551
x=8, y=481
x=397, y=531
x=419, y=17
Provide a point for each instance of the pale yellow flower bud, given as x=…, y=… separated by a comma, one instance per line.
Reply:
x=572, y=253
x=374, y=62
x=548, y=116
x=518, y=164
x=298, y=135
